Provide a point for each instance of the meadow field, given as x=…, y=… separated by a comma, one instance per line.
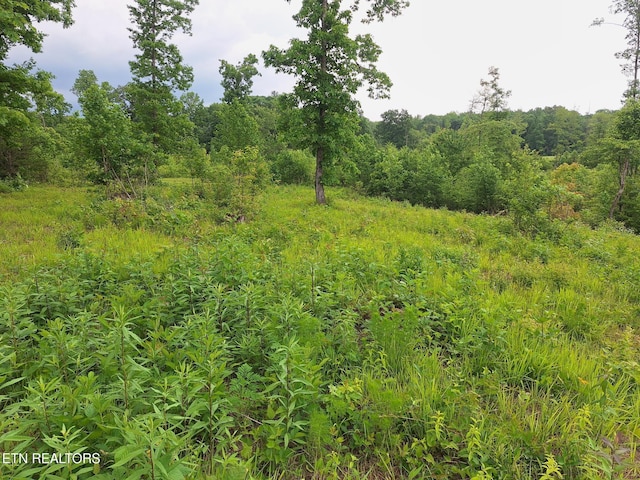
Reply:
x=366, y=339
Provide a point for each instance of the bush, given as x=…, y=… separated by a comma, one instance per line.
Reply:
x=427, y=181
x=293, y=167
x=388, y=176
x=526, y=195
x=235, y=180
x=12, y=184
x=477, y=187
x=174, y=167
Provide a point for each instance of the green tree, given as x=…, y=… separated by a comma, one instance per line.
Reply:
x=237, y=80
x=622, y=148
x=394, y=127
x=388, y=176
x=19, y=18
x=528, y=194
x=499, y=139
x=235, y=129
x=631, y=54
x=366, y=155
x=266, y=111
x=86, y=78
x=205, y=120
x=567, y=131
x=427, y=177
x=477, y=187
x=536, y=131
x=23, y=89
x=491, y=98
x=293, y=167
x=490, y=135
x=192, y=105
x=158, y=70
x=598, y=126
x=452, y=146
x=109, y=139
x=330, y=67
x=28, y=150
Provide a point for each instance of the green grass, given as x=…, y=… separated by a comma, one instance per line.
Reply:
x=44, y=224
x=32, y=222
x=365, y=339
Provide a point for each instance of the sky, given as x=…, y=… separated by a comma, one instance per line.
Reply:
x=435, y=53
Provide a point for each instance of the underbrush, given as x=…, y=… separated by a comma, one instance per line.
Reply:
x=367, y=339
x=14, y=184
x=174, y=208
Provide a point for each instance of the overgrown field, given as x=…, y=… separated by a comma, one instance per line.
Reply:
x=363, y=340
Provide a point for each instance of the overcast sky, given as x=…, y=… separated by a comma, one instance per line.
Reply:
x=435, y=53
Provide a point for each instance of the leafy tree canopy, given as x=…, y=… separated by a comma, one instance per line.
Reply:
x=19, y=18
x=330, y=67
x=22, y=87
x=491, y=98
x=237, y=80
x=159, y=63
x=631, y=54
x=394, y=128
x=158, y=70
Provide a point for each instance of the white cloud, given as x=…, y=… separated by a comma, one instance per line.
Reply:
x=435, y=53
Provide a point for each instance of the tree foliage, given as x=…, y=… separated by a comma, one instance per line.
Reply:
x=330, y=67
x=27, y=149
x=20, y=17
x=491, y=98
x=621, y=148
x=159, y=63
x=108, y=139
x=24, y=89
x=237, y=80
x=158, y=68
x=235, y=129
x=395, y=127
x=631, y=54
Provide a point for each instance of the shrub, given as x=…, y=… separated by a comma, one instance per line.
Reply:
x=174, y=167
x=477, y=187
x=235, y=180
x=293, y=167
x=388, y=176
x=12, y=184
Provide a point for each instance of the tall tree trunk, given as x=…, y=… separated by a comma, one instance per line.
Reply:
x=624, y=172
x=321, y=199
x=636, y=60
x=154, y=75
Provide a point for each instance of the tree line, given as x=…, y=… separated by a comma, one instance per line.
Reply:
x=540, y=165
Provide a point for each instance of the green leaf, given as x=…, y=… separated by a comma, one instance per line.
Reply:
x=136, y=475
x=10, y=382
x=125, y=454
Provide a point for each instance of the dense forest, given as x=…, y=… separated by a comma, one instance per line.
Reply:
x=462, y=301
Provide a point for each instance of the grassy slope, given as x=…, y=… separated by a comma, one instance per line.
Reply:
x=31, y=222
x=44, y=224
x=468, y=348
